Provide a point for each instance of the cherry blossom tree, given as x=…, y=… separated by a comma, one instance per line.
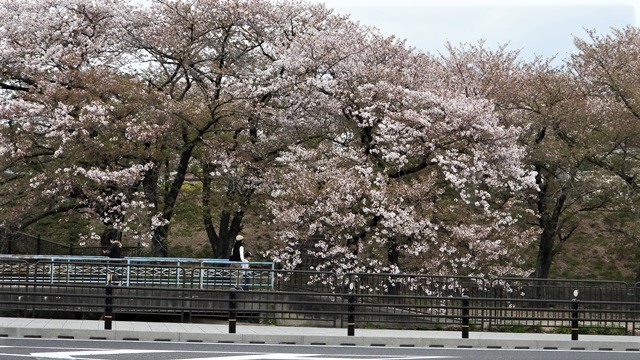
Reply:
x=235, y=93
x=563, y=110
x=405, y=178
x=108, y=108
x=608, y=69
x=68, y=129
x=212, y=97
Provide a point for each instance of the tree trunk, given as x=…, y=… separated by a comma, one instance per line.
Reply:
x=229, y=226
x=159, y=246
x=392, y=259
x=160, y=234
x=150, y=187
x=545, y=254
x=546, y=251
x=393, y=254
x=548, y=222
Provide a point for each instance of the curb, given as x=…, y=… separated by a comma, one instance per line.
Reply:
x=330, y=340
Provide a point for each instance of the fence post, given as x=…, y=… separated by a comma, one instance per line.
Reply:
x=232, y=312
x=38, y=245
x=465, y=317
x=108, y=305
x=574, y=316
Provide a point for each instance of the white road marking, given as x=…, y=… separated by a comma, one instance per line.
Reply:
x=260, y=357
x=311, y=357
x=16, y=355
x=73, y=354
x=77, y=355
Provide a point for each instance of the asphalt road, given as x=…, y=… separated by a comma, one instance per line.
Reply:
x=42, y=349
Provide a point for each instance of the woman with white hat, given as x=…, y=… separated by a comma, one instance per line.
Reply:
x=238, y=254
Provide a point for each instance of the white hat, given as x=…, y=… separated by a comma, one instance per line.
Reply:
x=239, y=238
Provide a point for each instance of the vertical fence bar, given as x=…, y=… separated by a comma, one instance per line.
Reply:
x=51, y=270
x=128, y=281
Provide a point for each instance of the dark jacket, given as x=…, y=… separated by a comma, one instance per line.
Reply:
x=115, y=250
x=235, y=253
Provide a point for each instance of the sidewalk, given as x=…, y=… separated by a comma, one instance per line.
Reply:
x=194, y=332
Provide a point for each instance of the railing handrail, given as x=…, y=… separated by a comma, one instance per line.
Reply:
x=95, y=269
x=138, y=259
x=427, y=284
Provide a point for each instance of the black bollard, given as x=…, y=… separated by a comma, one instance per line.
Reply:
x=465, y=318
x=574, y=319
x=108, y=307
x=351, y=321
x=232, y=312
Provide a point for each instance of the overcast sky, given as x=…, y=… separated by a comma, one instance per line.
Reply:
x=536, y=27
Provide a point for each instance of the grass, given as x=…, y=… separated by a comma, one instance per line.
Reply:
x=592, y=330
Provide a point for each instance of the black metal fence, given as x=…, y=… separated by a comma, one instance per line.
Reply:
x=267, y=295
x=18, y=243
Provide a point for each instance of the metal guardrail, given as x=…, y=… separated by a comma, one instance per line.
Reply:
x=19, y=243
x=206, y=287
x=336, y=309
x=175, y=272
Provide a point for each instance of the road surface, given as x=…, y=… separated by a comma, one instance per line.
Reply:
x=70, y=349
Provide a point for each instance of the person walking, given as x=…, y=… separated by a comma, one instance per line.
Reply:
x=113, y=252
x=115, y=249
x=238, y=254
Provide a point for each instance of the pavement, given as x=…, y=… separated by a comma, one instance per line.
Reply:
x=266, y=334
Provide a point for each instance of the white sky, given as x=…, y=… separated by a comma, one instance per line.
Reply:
x=536, y=27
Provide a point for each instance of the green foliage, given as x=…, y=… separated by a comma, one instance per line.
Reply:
x=592, y=330
x=61, y=228
x=516, y=328
x=187, y=218
x=189, y=251
x=597, y=256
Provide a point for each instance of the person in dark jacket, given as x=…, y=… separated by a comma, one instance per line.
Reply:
x=115, y=250
x=239, y=254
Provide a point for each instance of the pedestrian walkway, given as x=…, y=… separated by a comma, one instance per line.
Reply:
x=252, y=333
